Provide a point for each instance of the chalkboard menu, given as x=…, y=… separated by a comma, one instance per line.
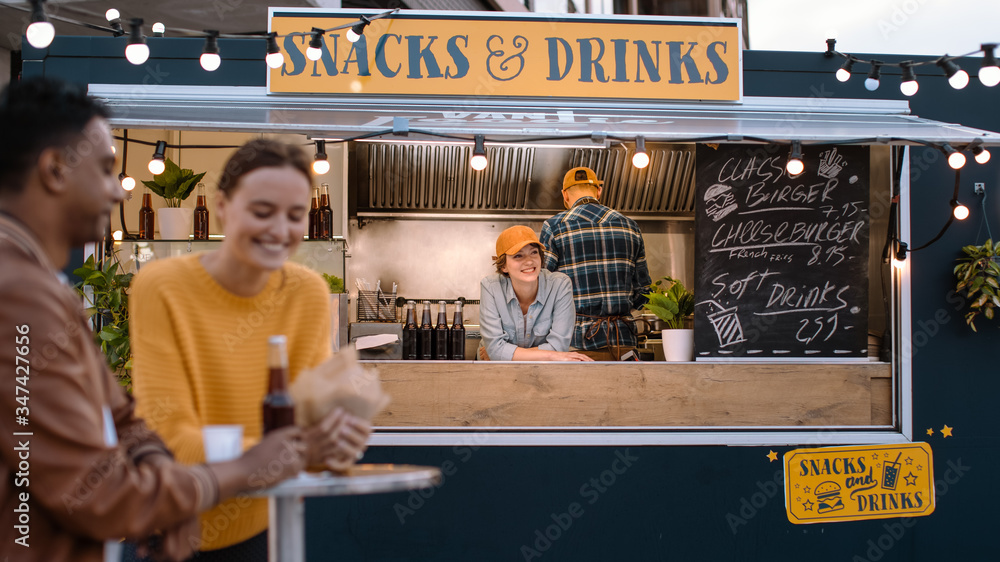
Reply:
x=781, y=263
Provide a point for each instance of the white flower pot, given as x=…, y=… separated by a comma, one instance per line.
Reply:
x=174, y=223
x=678, y=344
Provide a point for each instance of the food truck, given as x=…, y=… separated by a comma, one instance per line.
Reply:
x=805, y=337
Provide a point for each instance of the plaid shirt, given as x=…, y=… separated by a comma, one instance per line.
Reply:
x=603, y=253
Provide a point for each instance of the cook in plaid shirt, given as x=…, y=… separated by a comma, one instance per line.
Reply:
x=602, y=252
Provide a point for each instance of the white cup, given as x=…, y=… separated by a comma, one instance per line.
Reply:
x=222, y=442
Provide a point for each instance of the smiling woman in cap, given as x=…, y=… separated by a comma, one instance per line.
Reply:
x=526, y=312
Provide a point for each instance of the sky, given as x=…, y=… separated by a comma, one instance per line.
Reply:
x=920, y=27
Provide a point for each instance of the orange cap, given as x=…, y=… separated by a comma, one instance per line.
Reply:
x=580, y=175
x=515, y=238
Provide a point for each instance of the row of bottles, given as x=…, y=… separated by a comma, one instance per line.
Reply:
x=427, y=341
x=147, y=218
x=320, y=214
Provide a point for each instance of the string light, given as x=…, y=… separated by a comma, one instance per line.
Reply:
x=960, y=211
x=321, y=164
x=957, y=77
x=210, y=59
x=159, y=29
x=127, y=181
x=115, y=21
x=899, y=260
x=478, y=161
x=794, y=166
x=989, y=72
x=137, y=52
x=955, y=158
x=640, y=159
x=157, y=164
x=355, y=33
x=908, y=81
x=844, y=72
x=872, y=82
x=274, y=58
x=315, y=50
x=981, y=155
x=40, y=32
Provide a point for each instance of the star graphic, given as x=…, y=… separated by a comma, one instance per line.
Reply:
x=772, y=456
x=807, y=505
x=946, y=431
x=875, y=456
x=909, y=460
x=806, y=489
x=911, y=479
x=930, y=431
x=886, y=455
x=920, y=467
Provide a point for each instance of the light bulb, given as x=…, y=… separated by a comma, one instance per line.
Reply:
x=275, y=60
x=352, y=36
x=40, y=34
x=872, y=81
x=137, y=53
x=795, y=167
x=908, y=82
x=112, y=15
x=898, y=264
x=159, y=29
x=478, y=162
x=843, y=75
x=210, y=61
x=315, y=50
x=982, y=155
x=956, y=160
x=871, y=84
x=314, y=53
x=128, y=182
x=961, y=212
x=321, y=166
x=156, y=166
x=640, y=160
x=989, y=76
x=909, y=88
x=117, y=235
x=959, y=80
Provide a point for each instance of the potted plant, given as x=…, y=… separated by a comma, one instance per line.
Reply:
x=672, y=303
x=978, y=276
x=106, y=288
x=174, y=185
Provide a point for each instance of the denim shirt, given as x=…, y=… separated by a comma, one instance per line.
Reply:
x=548, y=324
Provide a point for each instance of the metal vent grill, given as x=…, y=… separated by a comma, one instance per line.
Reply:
x=666, y=185
x=439, y=177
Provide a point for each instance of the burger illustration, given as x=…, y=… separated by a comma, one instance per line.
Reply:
x=828, y=497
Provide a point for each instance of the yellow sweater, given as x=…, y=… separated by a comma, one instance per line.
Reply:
x=200, y=358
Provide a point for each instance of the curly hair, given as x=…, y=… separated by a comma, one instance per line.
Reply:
x=37, y=114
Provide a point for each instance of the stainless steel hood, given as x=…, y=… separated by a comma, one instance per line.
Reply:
x=393, y=179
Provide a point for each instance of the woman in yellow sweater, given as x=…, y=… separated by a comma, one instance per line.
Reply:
x=200, y=325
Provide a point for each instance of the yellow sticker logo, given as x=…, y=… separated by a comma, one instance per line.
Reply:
x=854, y=483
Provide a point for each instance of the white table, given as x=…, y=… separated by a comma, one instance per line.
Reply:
x=287, y=534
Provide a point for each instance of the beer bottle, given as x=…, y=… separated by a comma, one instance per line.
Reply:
x=147, y=219
x=278, y=409
x=314, y=216
x=410, y=331
x=456, y=336
x=201, y=215
x=441, y=332
x=425, y=332
x=325, y=213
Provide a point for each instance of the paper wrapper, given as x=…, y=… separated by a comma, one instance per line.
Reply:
x=339, y=382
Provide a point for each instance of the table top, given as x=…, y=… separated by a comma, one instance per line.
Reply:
x=360, y=479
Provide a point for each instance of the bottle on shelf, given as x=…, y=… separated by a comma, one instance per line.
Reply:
x=325, y=213
x=201, y=215
x=441, y=333
x=278, y=410
x=410, y=332
x=147, y=218
x=424, y=333
x=314, y=216
x=456, y=335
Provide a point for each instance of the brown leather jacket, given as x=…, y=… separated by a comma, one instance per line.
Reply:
x=69, y=478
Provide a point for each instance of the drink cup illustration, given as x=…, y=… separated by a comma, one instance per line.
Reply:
x=890, y=473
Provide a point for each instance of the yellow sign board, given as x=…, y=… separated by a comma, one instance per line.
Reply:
x=481, y=55
x=854, y=483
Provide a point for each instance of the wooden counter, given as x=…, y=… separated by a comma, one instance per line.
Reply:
x=465, y=393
